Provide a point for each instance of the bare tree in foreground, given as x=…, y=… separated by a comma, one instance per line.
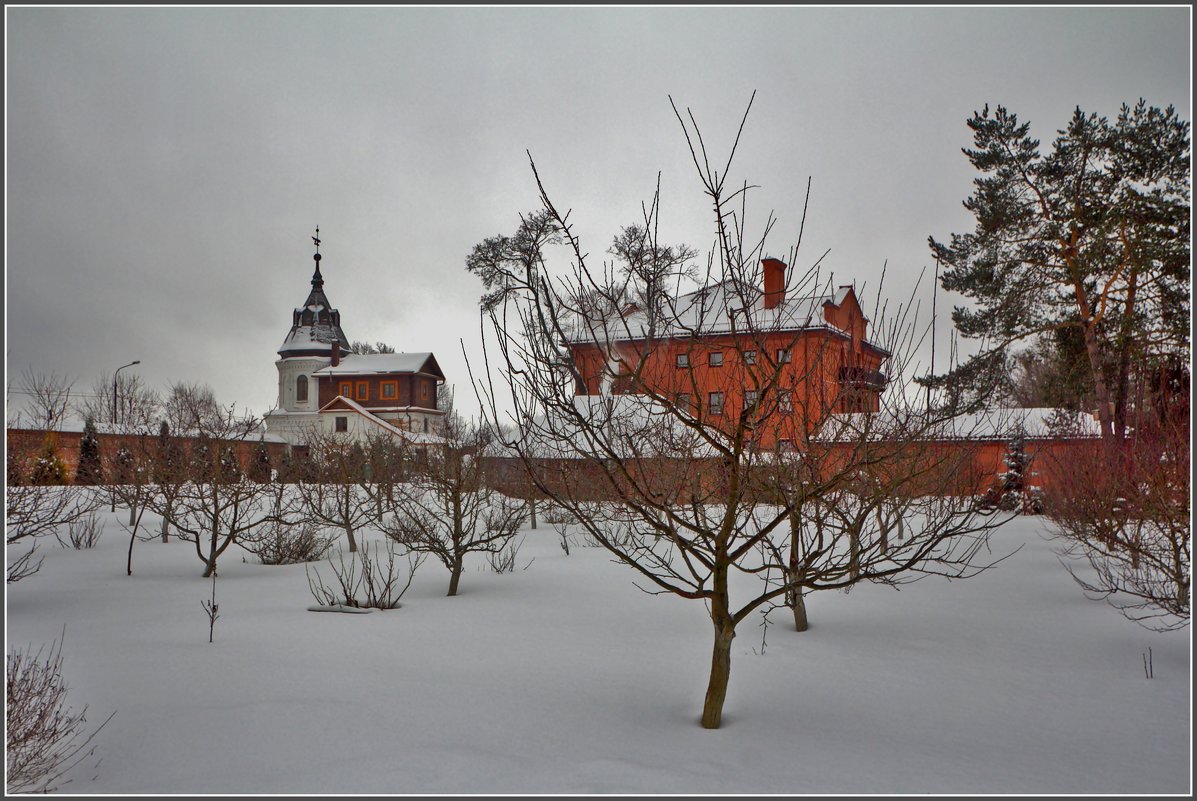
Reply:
x=45, y=738
x=657, y=468
x=1125, y=527
x=446, y=508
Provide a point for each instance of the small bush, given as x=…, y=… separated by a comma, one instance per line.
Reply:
x=504, y=560
x=364, y=581
x=83, y=533
x=283, y=544
x=45, y=738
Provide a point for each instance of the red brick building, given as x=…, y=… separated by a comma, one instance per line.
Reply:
x=727, y=349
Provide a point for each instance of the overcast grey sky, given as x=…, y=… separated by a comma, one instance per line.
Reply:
x=166, y=167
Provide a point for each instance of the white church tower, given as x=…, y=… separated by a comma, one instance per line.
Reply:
x=314, y=341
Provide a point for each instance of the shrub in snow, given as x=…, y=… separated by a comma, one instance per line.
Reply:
x=364, y=581
x=279, y=543
x=84, y=532
x=45, y=738
x=48, y=467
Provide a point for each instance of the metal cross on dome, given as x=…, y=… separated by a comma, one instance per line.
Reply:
x=316, y=238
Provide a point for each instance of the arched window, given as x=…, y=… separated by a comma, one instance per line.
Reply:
x=301, y=389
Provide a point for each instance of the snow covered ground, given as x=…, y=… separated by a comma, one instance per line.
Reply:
x=565, y=678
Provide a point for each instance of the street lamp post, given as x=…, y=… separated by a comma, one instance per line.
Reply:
x=115, y=412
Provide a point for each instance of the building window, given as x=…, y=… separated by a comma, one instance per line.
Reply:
x=715, y=403
x=750, y=357
x=390, y=390
x=785, y=400
x=785, y=446
x=425, y=425
x=363, y=390
x=346, y=390
x=750, y=398
x=682, y=402
x=301, y=389
x=783, y=355
x=715, y=359
x=424, y=390
x=342, y=423
x=682, y=360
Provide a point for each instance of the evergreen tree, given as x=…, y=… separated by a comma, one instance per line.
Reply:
x=90, y=471
x=1093, y=236
x=124, y=466
x=260, y=468
x=48, y=467
x=230, y=467
x=202, y=465
x=1014, y=479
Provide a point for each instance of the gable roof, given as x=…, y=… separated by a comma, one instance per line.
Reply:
x=722, y=308
x=377, y=363
x=414, y=437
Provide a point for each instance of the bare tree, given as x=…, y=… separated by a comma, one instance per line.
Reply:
x=340, y=496
x=45, y=738
x=191, y=408
x=1124, y=523
x=654, y=464
x=49, y=398
x=219, y=504
x=446, y=508
x=138, y=406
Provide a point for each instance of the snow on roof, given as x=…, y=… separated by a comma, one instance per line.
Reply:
x=721, y=308
x=309, y=337
x=989, y=424
x=371, y=363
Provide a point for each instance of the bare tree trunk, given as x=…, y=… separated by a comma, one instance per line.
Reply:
x=532, y=502
x=132, y=512
x=166, y=525
x=454, y=576
x=797, y=603
x=712, y=710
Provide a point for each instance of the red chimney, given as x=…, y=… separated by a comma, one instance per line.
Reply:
x=336, y=353
x=775, y=282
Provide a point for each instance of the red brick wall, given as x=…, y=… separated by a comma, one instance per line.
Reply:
x=24, y=443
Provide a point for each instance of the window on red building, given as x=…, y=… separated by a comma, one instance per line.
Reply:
x=682, y=360
x=715, y=358
x=715, y=404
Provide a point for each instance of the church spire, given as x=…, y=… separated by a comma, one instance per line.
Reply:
x=317, y=278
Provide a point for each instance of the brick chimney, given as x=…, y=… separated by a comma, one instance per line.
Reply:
x=775, y=282
x=336, y=353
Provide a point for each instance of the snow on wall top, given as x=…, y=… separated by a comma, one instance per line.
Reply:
x=988, y=424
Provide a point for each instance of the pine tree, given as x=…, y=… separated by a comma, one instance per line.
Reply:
x=90, y=471
x=1092, y=236
x=48, y=467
